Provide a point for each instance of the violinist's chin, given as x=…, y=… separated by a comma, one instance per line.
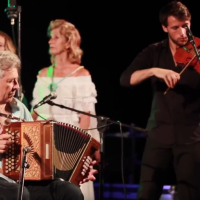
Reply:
x=182, y=41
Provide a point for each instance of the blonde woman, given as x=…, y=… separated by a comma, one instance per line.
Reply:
x=71, y=82
x=6, y=43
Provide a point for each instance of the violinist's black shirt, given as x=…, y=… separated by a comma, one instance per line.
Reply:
x=175, y=116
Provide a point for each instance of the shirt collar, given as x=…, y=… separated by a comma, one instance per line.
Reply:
x=165, y=43
x=14, y=104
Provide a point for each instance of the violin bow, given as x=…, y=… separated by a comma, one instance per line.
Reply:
x=182, y=71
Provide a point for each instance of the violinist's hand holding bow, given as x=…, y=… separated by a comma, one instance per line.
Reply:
x=169, y=76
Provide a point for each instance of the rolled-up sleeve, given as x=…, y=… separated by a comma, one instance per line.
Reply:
x=143, y=60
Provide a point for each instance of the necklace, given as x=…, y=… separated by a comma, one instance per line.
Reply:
x=53, y=86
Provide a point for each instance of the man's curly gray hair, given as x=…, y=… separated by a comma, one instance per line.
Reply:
x=8, y=60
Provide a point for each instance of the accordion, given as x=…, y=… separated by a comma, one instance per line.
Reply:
x=57, y=150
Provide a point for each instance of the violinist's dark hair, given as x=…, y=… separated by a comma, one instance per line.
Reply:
x=176, y=9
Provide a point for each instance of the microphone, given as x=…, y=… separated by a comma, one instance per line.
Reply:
x=189, y=33
x=12, y=11
x=51, y=96
x=27, y=149
x=191, y=40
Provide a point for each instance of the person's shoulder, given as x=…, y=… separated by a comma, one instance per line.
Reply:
x=83, y=72
x=24, y=112
x=17, y=102
x=155, y=47
x=160, y=44
x=44, y=71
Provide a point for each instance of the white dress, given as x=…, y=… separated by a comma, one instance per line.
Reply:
x=75, y=92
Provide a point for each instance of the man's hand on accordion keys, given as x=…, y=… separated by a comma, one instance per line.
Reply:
x=5, y=141
x=90, y=173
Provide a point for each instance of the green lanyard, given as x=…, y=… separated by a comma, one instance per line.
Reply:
x=53, y=86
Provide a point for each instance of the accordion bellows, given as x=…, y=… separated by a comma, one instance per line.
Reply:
x=57, y=150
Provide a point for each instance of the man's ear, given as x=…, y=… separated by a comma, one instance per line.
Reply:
x=164, y=28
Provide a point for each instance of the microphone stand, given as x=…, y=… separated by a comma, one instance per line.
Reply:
x=98, y=117
x=13, y=12
x=24, y=160
x=102, y=121
x=191, y=40
x=22, y=172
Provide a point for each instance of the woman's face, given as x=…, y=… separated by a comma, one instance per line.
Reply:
x=57, y=43
x=2, y=43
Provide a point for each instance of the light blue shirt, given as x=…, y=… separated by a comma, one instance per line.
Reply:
x=18, y=110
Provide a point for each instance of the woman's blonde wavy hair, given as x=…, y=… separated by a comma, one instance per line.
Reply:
x=73, y=37
x=9, y=45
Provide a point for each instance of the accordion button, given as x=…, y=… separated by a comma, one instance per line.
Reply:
x=89, y=158
x=87, y=164
x=83, y=173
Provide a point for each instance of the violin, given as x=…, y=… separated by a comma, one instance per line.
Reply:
x=185, y=56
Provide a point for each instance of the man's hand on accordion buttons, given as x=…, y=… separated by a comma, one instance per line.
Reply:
x=5, y=141
x=90, y=173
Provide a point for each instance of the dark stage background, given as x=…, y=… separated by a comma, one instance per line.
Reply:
x=113, y=33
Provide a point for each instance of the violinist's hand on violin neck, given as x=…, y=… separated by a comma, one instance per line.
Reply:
x=170, y=77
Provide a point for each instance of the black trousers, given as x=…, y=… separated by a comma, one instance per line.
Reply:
x=9, y=191
x=156, y=160
x=41, y=190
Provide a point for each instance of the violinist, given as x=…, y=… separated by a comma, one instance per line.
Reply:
x=173, y=124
